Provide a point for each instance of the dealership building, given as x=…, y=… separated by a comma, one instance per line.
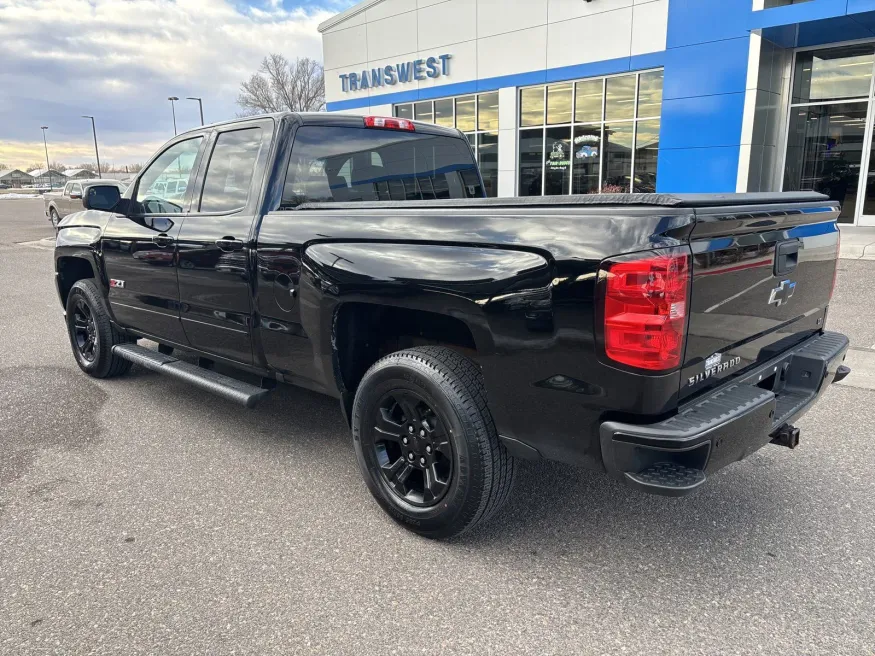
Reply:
x=583, y=96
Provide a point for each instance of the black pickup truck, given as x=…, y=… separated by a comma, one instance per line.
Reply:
x=654, y=337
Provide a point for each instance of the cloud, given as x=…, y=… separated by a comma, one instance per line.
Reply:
x=119, y=60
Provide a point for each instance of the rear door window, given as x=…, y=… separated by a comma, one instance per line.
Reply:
x=230, y=171
x=346, y=164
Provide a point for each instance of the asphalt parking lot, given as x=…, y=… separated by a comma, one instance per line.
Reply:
x=139, y=516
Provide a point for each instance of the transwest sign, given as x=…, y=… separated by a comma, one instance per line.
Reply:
x=403, y=73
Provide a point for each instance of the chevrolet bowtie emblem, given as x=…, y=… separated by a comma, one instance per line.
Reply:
x=782, y=293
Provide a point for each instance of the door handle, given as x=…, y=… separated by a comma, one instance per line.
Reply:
x=162, y=240
x=229, y=244
x=786, y=256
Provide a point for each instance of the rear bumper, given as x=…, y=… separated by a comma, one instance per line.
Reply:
x=674, y=456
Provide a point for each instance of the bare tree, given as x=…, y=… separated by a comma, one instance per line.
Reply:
x=281, y=85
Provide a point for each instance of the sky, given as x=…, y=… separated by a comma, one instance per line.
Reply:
x=119, y=60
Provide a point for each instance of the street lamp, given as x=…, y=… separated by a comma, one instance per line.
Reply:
x=96, y=152
x=44, y=128
x=201, y=105
x=173, y=109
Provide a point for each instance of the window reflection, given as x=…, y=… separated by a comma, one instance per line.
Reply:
x=161, y=189
x=404, y=111
x=422, y=111
x=465, y=114
x=532, y=106
x=620, y=98
x=531, y=162
x=617, y=162
x=646, y=156
x=824, y=150
x=443, y=112
x=487, y=111
x=229, y=175
x=590, y=94
x=833, y=74
x=650, y=94
x=557, y=160
x=559, y=104
x=488, y=160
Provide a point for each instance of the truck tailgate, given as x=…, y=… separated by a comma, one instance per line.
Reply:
x=762, y=279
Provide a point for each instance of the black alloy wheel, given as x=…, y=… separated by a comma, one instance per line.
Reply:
x=412, y=448
x=84, y=330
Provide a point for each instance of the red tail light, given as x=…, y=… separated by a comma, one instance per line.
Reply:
x=386, y=123
x=645, y=309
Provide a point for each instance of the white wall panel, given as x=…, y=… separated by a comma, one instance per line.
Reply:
x=359, y=19
x=462, y=65
x=649, y=27
x=334, y=87
x=429, y=3
x=589, y=39
x=389, y=8
x=500, y=16
x=345, y=47
x=395, y=88
x=391, y=36
x=380, y=110
x=515, y=52
x=449, y=22
x=560, y=10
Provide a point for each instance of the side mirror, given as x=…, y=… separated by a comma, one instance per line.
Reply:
x=101, y=197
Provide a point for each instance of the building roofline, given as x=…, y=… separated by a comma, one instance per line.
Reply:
x=346, y=14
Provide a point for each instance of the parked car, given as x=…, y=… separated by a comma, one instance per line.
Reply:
x=357, y=257
x=60, y=203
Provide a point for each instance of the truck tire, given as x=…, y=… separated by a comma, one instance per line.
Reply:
x=426, y=443
x=92, y=335
x=54, y=218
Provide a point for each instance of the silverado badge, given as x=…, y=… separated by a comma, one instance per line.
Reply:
x=713, y=366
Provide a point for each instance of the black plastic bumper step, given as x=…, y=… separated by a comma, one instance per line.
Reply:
x=668, y=479
x=206, y=379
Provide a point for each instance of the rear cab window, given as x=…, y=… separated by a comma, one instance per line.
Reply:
x=349, y=164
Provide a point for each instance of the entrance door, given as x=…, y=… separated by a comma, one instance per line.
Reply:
x=830, y=128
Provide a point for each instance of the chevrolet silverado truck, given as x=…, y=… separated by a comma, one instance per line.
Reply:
x=654, y=337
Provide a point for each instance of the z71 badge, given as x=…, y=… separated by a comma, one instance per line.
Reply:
x=713, y=366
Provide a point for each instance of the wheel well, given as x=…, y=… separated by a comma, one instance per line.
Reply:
x=364, y=333
x=70, y=271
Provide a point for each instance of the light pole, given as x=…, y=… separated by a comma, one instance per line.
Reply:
x=46, y=146
x=96, y=152
x=200, y=105
x=173, y=109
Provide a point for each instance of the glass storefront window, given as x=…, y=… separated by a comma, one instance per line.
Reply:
x=422, y=111
x=589, y=98
x=824, y=152
x=531, y=162
x=833, y=74
x=617, y=161
x=532, y=106
x=487, y=111
x=475, y=115
x=557, y=161
x=607, y=142
x=620, y=98
x=443, y=112
x=487, y=149
x=559, y=104
x=646, y=155
x=466, y=118
x=586, y=156
x=649, y=94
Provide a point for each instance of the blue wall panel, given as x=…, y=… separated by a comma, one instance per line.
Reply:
x=706, y=69
x=702, y=122
x=697, y=170
x=701, y=21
